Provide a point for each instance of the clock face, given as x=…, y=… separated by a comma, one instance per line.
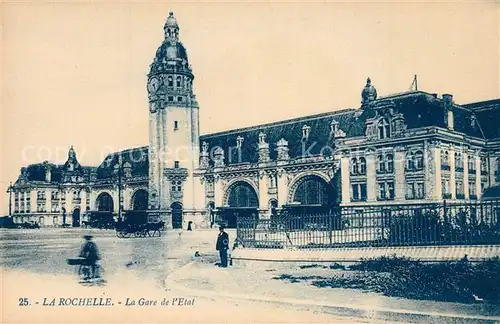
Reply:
x=153, y=85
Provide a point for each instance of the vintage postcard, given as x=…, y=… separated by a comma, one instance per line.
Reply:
x=250, y=162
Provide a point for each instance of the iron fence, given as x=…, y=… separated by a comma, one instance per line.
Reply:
x=401, y=225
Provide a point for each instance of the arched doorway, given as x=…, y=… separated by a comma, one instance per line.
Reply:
x=242, y=204
x=103, y=217
x=176, y=215
x=139, y=205
x=76, y=217
x=312, y=203
x=140, y=200
x=273, y=205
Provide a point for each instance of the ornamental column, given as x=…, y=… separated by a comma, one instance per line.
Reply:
x=345, y=178
x=371, y=175
x=465, y=159
x=432, y=165
x=282, y=187
x=453, y=186
x=478, y=175
x=399, y=173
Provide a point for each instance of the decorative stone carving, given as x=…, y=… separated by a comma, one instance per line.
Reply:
x=398, y=126
x=371, y=129
x=282, y=150
x=263, y=148
x=153, y=198
x=205, y=156
x=127, y=170
x=370, y=151
x=306, y=130
x=219, y=157
x=239, y=141
x=335, y=130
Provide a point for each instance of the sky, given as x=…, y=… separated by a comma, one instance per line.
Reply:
x=75, y=73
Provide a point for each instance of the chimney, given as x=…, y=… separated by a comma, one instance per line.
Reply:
x=448, y=110
x=48, y=173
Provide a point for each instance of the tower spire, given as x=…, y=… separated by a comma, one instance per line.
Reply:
x=414, y=85
x=171, y=28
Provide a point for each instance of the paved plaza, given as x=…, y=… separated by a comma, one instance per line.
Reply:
x=34, y=266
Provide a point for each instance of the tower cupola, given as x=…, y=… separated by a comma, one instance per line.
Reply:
x=369, y=94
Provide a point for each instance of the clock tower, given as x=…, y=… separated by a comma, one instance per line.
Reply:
x=173, y=133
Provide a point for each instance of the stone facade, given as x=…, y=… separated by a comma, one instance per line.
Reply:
x=407, y=148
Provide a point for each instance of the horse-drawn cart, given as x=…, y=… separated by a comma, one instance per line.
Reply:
x=126, y=230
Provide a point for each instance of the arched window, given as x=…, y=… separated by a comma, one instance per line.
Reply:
x=241, y=194
x=381, y=164
x=419, y=160
x=410, y=160
x=389, y=160
x=383, y=129
x=445, y=158
x=178, y=81
x=104, y=202
x=312, y=190
x=354, y=166
x=472, y=163
x=362, y=165
x=484, y=165
x=170, y=81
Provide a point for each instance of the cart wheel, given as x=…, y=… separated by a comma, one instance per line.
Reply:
x=84, y=272
x=119, y=234
x=126, y=234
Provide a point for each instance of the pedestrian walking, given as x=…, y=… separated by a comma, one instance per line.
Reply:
x=222, y=246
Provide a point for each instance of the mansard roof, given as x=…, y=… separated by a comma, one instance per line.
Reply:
x=488, y=115
x=36, y=173
x=136, y=157
x=419, y=109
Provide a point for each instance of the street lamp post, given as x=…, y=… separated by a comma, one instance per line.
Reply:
x=120, y=169
x=9, y=190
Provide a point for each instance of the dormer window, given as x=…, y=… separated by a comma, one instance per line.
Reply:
x=383, y=129
x=176, y=125
x=334, y=126
x=305, y=131
x=170, y=81
x=178, y=81
x=176, y=164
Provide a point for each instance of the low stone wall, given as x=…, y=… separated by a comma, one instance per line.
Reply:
x=475, y=253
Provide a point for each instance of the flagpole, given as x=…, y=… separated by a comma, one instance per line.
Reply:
x=416, y=84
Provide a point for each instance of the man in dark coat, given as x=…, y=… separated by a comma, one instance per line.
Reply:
x=222, y=246
x=91, y=254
